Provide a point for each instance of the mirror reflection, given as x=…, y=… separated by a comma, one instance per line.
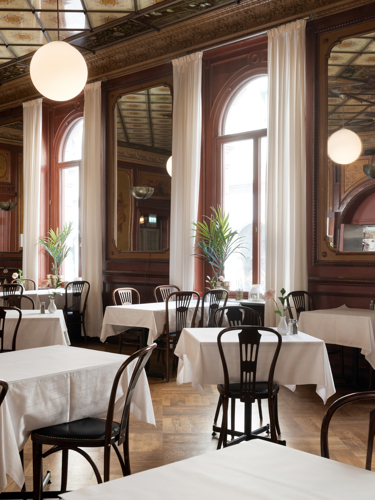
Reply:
x=351, y=104
x=143, y=144
x=11, y=165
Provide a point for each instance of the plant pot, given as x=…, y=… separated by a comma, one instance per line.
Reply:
x=52, y=280
x=52, y=306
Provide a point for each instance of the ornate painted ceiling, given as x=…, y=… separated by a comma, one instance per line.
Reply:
x=144, y=119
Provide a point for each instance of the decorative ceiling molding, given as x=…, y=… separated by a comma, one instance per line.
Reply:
x=141, y=157
x=11, y=136
x=224, y=25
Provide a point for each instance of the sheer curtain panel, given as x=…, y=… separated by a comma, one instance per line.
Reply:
x=286, y=261
x=32, y=150
x=92, y=207
x=186, y=150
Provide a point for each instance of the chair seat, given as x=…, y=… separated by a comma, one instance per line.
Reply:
x=85, y=428
x=261, y=390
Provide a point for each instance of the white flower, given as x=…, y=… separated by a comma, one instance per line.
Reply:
x=15, y=276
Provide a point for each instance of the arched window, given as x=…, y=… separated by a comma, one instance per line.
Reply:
x=69, y=161
x=242, y=150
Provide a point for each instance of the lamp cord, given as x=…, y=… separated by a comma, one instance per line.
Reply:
x=58, y=21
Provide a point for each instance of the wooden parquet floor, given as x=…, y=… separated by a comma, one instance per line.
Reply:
x=184, y=429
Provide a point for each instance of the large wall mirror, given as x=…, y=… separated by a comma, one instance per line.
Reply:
x=139, y=189
x=346, y=98
x=11, y=166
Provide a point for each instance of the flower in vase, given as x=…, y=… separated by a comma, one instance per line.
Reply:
x=270, y=294
x=15, y=276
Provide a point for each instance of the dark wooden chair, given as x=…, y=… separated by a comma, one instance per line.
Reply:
x=76, y=295
x=91, y=432
x=210, y=304
x=130, y=336
x=248, y=390
x=162, y=292
x=3, y=390
x=27, y=283
x=238, y=316
x=3, y=313
x=176, y=319
x=19, y=301
x=10, y=294
x=349, y=398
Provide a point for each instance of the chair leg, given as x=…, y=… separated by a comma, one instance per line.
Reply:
x=233, y=416
x=84, y=329
x=107, y=462
x=64, y=470
x=370, y=378
x=37, y=471
x=224, y=425
x=120, y=343
x=260, y=410
x=370, y=444
x=271, y=411
x=167, y=359
x=219, y=403
x=277, y=417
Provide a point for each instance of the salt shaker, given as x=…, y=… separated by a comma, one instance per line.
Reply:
x=42, y=308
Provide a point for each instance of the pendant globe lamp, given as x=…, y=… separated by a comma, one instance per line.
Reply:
x=58, y=70
x=344, y=146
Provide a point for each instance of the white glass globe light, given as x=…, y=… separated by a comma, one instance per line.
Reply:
x=344, y=146
x=169, y=166
x=58, y=71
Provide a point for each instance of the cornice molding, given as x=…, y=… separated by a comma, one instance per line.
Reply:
x=141, y=157
x=11, y=136
x=224, y=25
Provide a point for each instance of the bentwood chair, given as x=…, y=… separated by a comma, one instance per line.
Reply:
x=210, y=304
x=248, y=390
x=238, y=316
x=177, y=307
x=91, y=432
x=121, y=297
x=27, y=283
x=162, y=292
x=9, y=294
x=76, y=295
x=339, y=403
x=3, y=315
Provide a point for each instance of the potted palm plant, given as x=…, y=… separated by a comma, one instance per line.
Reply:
x=215, y=242
x=56, y=245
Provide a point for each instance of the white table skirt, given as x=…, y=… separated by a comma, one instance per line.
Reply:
x=253, y=470
x=151, y=316
x=343, y=326
x=302, y=360
x=56, y=384
x=36, y=330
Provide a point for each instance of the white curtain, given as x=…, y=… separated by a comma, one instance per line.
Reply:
x=91, y=208
x=32, y=151
x=286, y=261
x=186, y=150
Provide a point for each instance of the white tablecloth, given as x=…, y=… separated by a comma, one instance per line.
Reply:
x=39, y=296
x=343, y=326
x=250, y=471
x=302, y=360
x=151, y=316
x=36, y=330
x=56, y=384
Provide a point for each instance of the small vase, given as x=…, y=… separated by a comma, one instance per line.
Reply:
x=282, y=327
x=52, y=306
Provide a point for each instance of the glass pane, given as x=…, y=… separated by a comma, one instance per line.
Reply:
x=73, y=144
x=248, y=110
x=69, y=184
x=263, y=173
x=238, y=202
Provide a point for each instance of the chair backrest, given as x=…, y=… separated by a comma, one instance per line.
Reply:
x=179, y=302
x=297, y=302
x=140, y=359
x=123, y=296
x=162, y=292
x=3, y=313
x=9, y=293
x=27, y=283
x=19, y=300
x=349, y=398
x=237, y=316
x=213, y=298
x=3, y=390
x=26, y=299
x=249, y=338
x=76, y=294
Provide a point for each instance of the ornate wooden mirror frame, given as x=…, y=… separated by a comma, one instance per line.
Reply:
x=114, y=253
x=322, y=37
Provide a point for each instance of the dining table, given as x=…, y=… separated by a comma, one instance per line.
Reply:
x=57, y=384
x=346, y=326
x=250, y=470
x=36, y=329
x=42, y=295
x=303, y=359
